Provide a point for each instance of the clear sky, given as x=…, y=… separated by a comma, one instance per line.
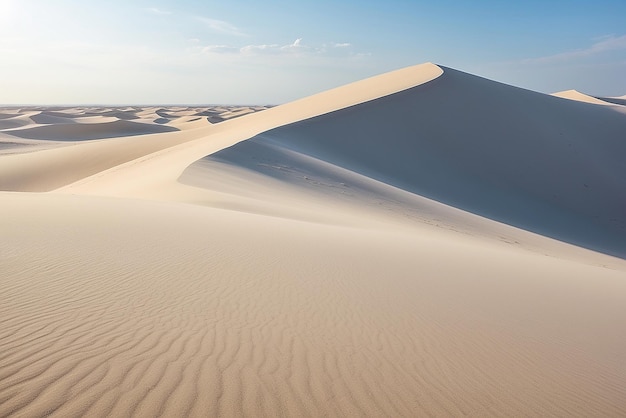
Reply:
x=274, y=51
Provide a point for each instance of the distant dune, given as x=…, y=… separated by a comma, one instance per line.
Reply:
x=80, y=132
x=420, y=243
x=52, y=168
x=581, y=97
x=615, y=100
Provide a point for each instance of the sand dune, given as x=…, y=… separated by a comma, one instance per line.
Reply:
x=581, y=97
x=494, y=160
x=13, y=145
x=615, y=104
x=220, y=113
x=45, y=171
x=81, y=132
x=44, y=118
x=615, y=100
x=15, y=121
x=189, y=122
x=7, y=113
x=159, y=172
x=53, y=168
x=290, y=262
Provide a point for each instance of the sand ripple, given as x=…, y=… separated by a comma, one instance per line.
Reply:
x=201, y=317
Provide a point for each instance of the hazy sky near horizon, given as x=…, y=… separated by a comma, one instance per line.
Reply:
x=252, y=52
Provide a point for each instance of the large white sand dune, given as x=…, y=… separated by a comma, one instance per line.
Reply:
x=303, y=272
x=491, y=149
x=161, y=170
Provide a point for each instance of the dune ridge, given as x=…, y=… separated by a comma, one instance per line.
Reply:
x=581, y=97
x=493, y=161
x=120, y=141
x=230, y=132
x=292, y=262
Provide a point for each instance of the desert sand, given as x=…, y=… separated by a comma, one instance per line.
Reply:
x=581, y=97
x=421, y=243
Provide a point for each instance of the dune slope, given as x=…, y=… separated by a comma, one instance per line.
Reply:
x=615, y=100
x=160, y=170
x=526, y=159
x=116, y=307
x=50, y=169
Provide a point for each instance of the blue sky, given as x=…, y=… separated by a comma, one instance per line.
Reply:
x=243, y=51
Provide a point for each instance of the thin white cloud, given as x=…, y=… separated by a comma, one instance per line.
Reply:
x=605, y=44
x=221, y=26
x=220, y=49
x=297, y=48
x=158, y=11
x=260, y=49
x=341, y=45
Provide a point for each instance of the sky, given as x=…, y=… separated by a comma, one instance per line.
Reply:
x=275, y=51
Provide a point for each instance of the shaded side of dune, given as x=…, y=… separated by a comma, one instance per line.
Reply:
x=14, y=122
x=533, y=161
x=82, y=132
x=614, y=100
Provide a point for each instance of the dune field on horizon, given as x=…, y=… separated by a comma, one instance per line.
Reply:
x=425, y=242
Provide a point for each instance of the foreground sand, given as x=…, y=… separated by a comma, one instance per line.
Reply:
x=279, y=277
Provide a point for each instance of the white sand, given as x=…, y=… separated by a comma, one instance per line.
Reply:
x=301, y=274
x=581, y=97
